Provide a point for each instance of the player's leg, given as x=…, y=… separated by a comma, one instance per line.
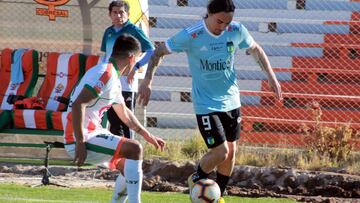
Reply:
x=132, y=152
x=117, y=127
x=100, y=150
x=212, y=159
x=110, y=148
x=214, y=136
x=130, y=101
x=231, y=122
x=115, y=122
x=120, y=191
x=224, y=169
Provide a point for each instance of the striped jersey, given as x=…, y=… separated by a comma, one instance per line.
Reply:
x=211, y=63
x=103, y=81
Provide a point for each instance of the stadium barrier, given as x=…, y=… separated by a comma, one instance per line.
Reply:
x=313, y=46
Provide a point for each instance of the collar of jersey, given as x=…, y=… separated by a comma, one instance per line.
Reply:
x=122, y=27
x=113, y=62
x=210, y=33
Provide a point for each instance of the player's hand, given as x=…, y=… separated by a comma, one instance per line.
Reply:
x=275, y=86
x=156, y=141
x=80, y=153
x=131, y=75
x=144, y=92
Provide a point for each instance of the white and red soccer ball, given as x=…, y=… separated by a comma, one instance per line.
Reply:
x=205, y=191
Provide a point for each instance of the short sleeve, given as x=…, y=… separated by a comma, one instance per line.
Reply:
x=97, y=85
x=143, y=39
x=246, y=39
x=119, y=99
x=179, y=42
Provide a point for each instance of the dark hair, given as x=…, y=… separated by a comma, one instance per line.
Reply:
x=217, y=6
x=125, y=46
x=119, y=4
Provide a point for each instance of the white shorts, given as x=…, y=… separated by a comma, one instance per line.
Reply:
x=101, y=148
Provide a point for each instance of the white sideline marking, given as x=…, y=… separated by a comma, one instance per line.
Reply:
x=39, y=200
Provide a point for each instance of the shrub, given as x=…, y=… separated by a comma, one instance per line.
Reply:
x=332, y=142
x=194, y=147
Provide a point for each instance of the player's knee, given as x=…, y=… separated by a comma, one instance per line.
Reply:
x=232, y=150
x=138, y=149
x=225, y=154
x=132, y=149
x=222, y=152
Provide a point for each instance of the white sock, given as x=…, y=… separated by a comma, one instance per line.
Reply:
x=133, y=175
x=120, y=192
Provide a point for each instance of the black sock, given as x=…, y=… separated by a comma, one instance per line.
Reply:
x=200, y=174
x=222, y=181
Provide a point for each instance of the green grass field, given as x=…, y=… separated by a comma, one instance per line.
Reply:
x=17, y=193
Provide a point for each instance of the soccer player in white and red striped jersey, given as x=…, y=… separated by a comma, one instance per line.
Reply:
x=87, y=141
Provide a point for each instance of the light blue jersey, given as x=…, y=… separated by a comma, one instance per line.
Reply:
x=211, y=62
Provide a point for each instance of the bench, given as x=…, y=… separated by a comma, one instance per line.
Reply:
x=25, y=131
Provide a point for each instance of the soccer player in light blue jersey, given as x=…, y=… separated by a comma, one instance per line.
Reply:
x=210, y=45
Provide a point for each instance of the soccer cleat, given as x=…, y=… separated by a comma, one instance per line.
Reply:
x=221, y=200
x=120, y=197
x=191, y=182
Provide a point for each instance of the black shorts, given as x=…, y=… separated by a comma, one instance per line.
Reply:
x=216, y=127
x=117, y=127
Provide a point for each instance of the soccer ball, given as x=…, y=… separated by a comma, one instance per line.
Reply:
x=205, y=191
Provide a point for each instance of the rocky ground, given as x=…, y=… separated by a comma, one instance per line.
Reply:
x=160, y=175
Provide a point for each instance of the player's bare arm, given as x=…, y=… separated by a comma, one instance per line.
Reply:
x=145, y=87
x=143, y=59
x=128, y=117
x=156, y=59
x=78, y=111
x=261, y=58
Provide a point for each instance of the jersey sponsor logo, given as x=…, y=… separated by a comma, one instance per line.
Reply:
x=218, y=65
x=194, y=35
x=210, y=140
x=217, y=46
x=59, y=88
x=230, y=47
x=51, y=11
x=99, y=85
